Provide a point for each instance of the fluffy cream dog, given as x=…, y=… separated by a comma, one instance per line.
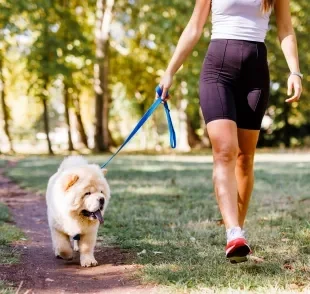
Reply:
x=77, y=196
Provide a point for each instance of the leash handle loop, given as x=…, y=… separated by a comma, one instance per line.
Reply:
x=144, y=118
x=169, y=120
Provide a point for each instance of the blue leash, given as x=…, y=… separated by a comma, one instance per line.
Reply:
x=144, y=119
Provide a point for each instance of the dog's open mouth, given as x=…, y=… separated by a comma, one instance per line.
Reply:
x=93, y=215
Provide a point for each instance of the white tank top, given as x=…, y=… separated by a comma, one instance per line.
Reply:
x=239, y=20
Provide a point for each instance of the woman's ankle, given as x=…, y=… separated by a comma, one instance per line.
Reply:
x=234, y=233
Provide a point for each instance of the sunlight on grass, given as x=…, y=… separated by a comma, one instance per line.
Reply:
x=165, y=212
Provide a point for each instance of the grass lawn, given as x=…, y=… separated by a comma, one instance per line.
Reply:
x=8, y=234
x=163, y=208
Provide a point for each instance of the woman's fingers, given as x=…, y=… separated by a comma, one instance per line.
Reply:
x=289, y=87
x=164, y=85
x=294, y=83
x=298, y=90
x=164, y=95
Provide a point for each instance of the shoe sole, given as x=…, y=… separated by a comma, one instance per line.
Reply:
x=239, y=255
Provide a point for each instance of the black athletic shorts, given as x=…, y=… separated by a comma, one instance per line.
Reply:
x=234, y=82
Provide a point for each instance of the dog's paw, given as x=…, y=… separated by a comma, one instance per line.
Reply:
x=64, y=255
x=87, y=261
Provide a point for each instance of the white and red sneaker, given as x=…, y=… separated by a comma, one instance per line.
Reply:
x=237, y=247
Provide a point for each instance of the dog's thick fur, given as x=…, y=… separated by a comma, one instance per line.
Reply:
x=75, y=189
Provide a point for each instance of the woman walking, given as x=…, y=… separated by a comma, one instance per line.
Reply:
x=234, y=91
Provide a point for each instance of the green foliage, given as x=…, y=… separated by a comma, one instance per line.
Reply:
x=47, y=44
x=60, y=47
x=153, y=29
x=297, y=114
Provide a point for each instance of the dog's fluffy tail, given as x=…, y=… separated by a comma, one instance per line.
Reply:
x=72, y=161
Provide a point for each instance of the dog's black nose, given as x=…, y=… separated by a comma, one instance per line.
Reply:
x=101, y=201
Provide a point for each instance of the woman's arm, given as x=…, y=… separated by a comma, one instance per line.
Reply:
x=288, y=42
x=187, y=41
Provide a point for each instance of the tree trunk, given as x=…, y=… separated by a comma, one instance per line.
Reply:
x=80, y=125
x=106, y=96
x=66, y=94
x=205, y=140
x=46, y=120
x=192, y=137
x=5, y=110
x=112, y=142
x=101, y=70
x=67, y=116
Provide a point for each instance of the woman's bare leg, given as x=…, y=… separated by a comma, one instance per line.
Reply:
x=224, y=139
x=244, y=170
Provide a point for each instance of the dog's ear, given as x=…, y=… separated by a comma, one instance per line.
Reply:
x=69, y=181
x=104, y=171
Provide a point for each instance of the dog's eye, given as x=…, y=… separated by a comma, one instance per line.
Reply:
x=88, y=193
x=101, y=192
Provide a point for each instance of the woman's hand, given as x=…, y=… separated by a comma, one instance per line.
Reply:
x=294, y=82
x=165, y=84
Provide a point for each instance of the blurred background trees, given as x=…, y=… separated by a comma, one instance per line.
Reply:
x=78, y=74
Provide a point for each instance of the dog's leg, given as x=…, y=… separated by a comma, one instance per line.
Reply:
x=87, y=246
x=76, y=245
x=61, y=245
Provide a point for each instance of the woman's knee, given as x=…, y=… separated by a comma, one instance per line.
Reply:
x=225, y=154
x=245, y=161
x=224, y=140
x=224, y=166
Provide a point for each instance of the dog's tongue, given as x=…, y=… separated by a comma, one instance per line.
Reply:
x=98, y=216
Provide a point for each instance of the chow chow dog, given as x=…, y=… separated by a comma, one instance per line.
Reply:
x=77, y=196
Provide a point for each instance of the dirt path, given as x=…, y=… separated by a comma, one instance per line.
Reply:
x=40, y=272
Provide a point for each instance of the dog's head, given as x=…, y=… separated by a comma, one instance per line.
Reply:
x=86, y=191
